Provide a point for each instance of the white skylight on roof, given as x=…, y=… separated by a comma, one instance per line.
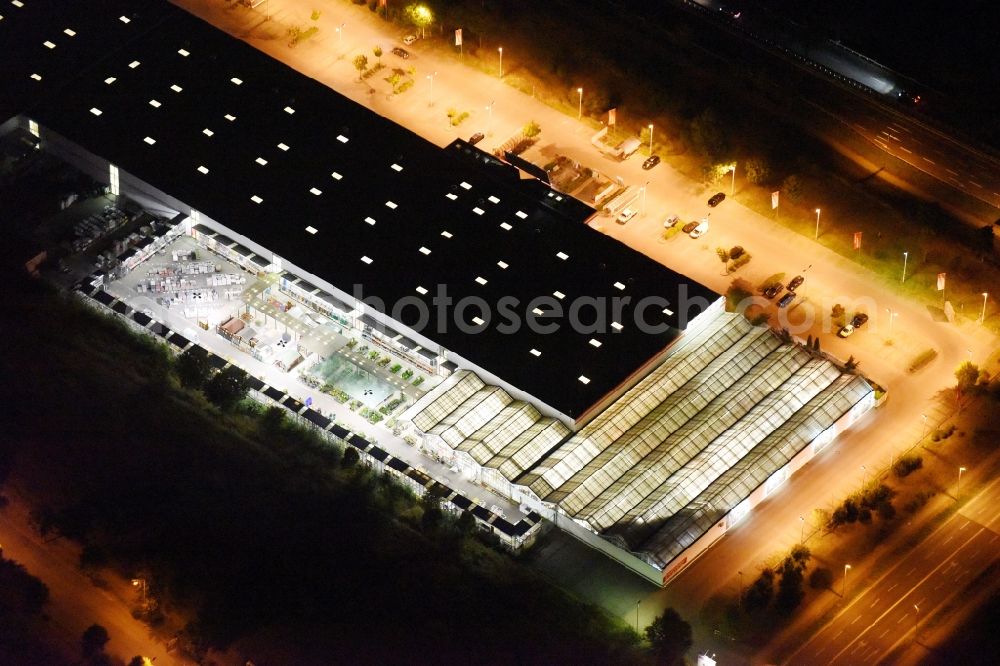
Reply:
x=370, y=220
x=505, y=226
x=207, y=132
x=535, y=352
x=96, y=111
x=452, y=196
x=538, y=312
x=421, y=291
x=316, y=191
x=493, y=199
x=446, y=234
x=559, y=197
x=17, y=3
x=595, y=343
x=478, y=211
x=336, y=176
x=283, y=146
x=502, y=264
x=237, y=81
x=562, y=255
x=203, y=169
x=396, y=167
x=70, y=32
x=521, y=214
x=312, y=229
x=390, y=205
x=619, y=286
x=124, y=19
x=48, y=44
x=583, y=379
x=184, y=52
x=478, y=321
x=36, y=77
x=558, y=294
x=481, y=280
x=615, y=325
x=110, y=80
x=256, y=199
x=668, y=311
x=424, y=250
x=133, y=64
x=341, y=138
x=150, y=140
x=366, y=259
x=261, y=161
x=230, y=117
x=289, y=110
x=176, y=88
x=155, y=104
x=465, y=185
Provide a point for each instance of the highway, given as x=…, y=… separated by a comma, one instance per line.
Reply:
x=889, y=611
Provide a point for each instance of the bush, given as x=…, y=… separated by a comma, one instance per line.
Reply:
x=407, y=374
x=418, y=381
x=395, y=368
x=532, y=129
x=351, y=457
x=821, y=578
x=671, y=232
x=907, y=465
x=741, y=261
x=760, y=593
x=922, y=359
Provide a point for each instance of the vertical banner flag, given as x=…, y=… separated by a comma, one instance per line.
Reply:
x=774, y=200
x=941, y=281
x=857, y=240
x=458, y=37
x=611, y=116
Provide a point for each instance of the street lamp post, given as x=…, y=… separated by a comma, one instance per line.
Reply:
x=431, y=78
x=643, y=207
x=141, y=583
x=802, y=529
x=579, y=110
x=982, y=316
x=650, y=138
x=905, y=257
x=958, y=491
x=489, y=122
x=864, y=477
x=816, y=237
x=843, y=591
x=924, y=433
x=732, y=187
x=741, y=589
x=501, y=61
x=916, y=624
x=340, y=33
x=892, y=316
x=637, y=615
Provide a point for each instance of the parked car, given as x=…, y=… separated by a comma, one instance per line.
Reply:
x=716, y=199
x=859, y=320
x=737, y=252
x=786, y=299
x=700, y=230
x=796, y=283
x=651, y=162
x=846, y=331
x=773, y=290
x=689, y=227
x=671, y=221
x=476, y=138
x=626, y=215
x=402, y=53
x=409, y=39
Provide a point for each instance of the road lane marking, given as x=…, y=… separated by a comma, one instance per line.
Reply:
x=855, y=619
x=913, y=569
x=905, y=615
x=883, y=145
x=947, y=540
x=954, y=173
x=906, y=149
x=929, y=160
x=976, y=184
x=874, y=602
x=883, y=634
x=893, y=585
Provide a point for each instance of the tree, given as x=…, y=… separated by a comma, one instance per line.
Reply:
x=670, y=637
x=532, y=129
x=792, y=187
x=466, y=523
x=137, y=660
x=94, y=638
x=758, y=170
x=193, y=368
x=377, y=51
x=967, y=376
x=760, y=593
x=272, y=420
x=360, y=63
x=837, y=313
x=821, y=579
x=420, y=16
x=707, y=134
x=350, y=458
x=851, y=364
x=431, y=519
x=227, y=388
x=723, y=255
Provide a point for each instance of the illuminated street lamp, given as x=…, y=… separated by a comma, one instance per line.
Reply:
x=982, y=317
x=924, y=434
x=741, y=589
x=892, y=316
x=489, y=123
x=140, y=583
x=637, y=615
x=843, y=591
x=501, y=61
x=802, y=529
x=643, y=208
x=958, y=491
x=916, y=624
x=579, y=110
x=864, y=476
x=340, y=33
x=905, y=257
x=816, y=237
x=650, y=138
x=430, y=77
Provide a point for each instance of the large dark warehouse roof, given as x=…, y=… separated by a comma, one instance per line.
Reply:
x=336, y=189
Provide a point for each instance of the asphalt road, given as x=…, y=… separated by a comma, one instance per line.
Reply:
x=890, y=610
